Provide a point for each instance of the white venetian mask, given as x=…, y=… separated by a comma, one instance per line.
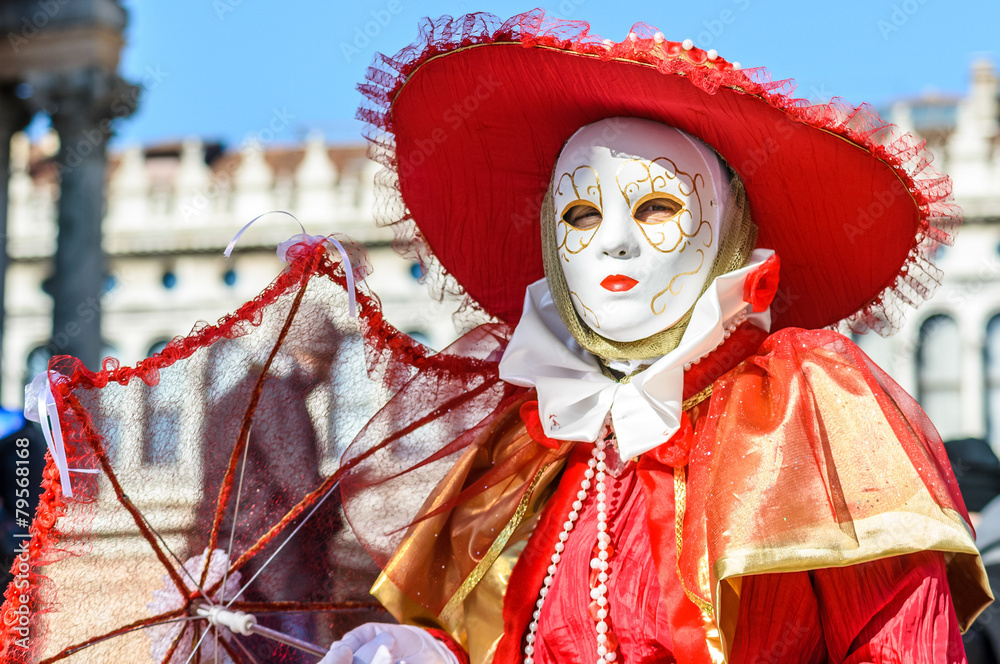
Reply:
x=638, y=219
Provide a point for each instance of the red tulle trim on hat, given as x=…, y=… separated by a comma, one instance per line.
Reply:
x=913, y=282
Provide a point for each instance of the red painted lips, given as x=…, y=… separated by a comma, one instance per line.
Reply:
x=618, y=283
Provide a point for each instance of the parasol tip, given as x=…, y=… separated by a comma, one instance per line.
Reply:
x=236, y=621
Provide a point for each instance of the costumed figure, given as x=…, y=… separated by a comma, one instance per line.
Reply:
x=659, y=450
x=282, y=441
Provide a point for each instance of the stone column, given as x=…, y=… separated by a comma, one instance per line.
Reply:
x=82, y=105
x=14, y=115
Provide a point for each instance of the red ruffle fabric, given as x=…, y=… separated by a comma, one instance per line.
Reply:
x=637, y=618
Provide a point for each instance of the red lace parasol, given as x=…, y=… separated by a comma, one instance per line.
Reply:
x=228, y=441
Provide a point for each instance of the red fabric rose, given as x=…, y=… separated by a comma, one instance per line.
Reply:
x=676, y=451
x=529, y=413
x=762, y=284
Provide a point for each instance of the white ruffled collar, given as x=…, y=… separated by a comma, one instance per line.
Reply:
x=575, y=397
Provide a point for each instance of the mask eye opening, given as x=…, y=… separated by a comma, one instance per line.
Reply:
x=672, y=204
x=581, y=215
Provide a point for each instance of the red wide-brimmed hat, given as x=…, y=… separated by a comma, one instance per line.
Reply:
x=470, y=119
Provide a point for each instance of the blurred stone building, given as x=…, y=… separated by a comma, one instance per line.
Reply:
x=171, y=211
x=947, y=355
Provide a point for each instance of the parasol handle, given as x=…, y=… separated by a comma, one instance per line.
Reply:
x=239, y=622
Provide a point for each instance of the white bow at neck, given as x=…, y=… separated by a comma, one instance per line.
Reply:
x=575, y=397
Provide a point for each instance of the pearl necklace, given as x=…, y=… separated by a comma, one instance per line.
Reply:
x=596, y=468
x=734, y=323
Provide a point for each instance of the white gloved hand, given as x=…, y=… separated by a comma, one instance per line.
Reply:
x=383, y=643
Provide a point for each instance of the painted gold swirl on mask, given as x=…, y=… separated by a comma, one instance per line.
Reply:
x=670, y=286
x=646, y=185
x=587, y=311
x=591, y=189
x=569, y=239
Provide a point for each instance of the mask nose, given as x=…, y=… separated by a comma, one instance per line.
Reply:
x=617, y=236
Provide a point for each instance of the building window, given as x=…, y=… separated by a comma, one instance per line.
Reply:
x=157, y=347
x=939, y=374
x=420, y=337
x=37, y=362
x=110, y=283
x=992, y=376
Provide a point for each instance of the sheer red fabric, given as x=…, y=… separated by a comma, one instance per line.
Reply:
x=433, y=421
x=817, y=439
x=228, y=440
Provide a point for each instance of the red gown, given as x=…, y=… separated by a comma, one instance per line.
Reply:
x=822, y=523
x=893, y=610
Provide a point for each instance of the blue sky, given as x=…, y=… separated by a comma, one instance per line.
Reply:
x=221, y=69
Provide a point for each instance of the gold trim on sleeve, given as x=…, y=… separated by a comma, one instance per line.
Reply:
x=713, y=636
x=693, y=401
x=493, y=553
x=680, y=496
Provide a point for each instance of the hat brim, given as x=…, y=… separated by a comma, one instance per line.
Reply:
x=477, y=129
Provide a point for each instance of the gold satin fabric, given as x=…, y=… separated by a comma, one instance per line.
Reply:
x=804, y=462
x=479, y=626
x=461, y=558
